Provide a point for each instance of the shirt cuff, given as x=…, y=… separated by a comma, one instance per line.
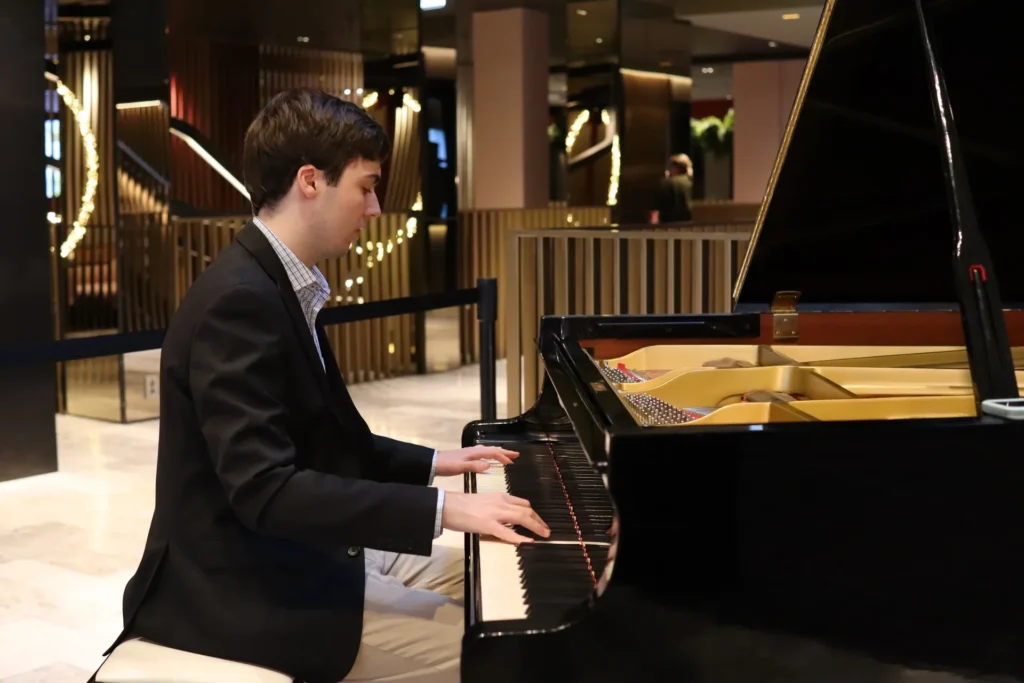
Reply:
x=440, y=508
x=433, y=469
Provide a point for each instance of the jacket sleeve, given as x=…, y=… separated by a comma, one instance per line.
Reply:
x=402, y=462
x=237, y=376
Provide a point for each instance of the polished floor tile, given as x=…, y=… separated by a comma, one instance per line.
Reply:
x=69, y=541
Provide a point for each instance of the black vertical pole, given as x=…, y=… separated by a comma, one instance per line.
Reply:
x=487, y=314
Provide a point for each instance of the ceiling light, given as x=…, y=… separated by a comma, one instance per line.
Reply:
x=432, y=4
x=599, y=40
x=789, y=16
x=707, y=70
x=581, y=12
x=772, y=43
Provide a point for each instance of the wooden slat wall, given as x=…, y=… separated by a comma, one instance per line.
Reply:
x=464, y=133
x=219, y=88
x=174, y=254
x=482, y=240
x=609, y=272
x=404, y=170
x=214, y=87
x=90, y=273
x=338, y=73
x=145, y=130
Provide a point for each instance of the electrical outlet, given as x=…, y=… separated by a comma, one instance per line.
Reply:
x=151, y=386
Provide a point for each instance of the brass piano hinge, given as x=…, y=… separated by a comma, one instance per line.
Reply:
x=785, y=321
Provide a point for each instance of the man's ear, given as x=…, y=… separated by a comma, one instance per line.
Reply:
x=305, y=179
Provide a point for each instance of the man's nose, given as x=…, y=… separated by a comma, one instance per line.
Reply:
x=373, y=207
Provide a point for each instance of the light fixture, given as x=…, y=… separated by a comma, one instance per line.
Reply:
x=209, y=159
x=302, y=39
x=707, y=70
x=432, y=4
x=581, y=12
x=138, y=105
x=92, y=167
x=613, y=180
x=772, y=43
x=599, y=41
x=789, y=16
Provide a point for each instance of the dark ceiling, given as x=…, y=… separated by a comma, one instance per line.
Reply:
x=582, y=31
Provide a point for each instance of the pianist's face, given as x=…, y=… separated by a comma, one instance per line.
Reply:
x=344, y=208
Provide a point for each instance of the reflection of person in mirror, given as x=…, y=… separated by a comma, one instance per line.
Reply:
x=672, y=197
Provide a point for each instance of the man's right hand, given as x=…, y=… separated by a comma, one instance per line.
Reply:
x=488, y=513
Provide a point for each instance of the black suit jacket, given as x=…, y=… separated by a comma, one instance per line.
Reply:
x=269, y=483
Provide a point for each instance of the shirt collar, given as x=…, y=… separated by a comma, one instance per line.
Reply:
x=299, y=274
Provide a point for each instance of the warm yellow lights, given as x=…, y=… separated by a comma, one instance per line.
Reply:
x=370, y=99
x=613, y=181
x=574, y=129
x=789, y=16
x=410, y=102
x=92, y=167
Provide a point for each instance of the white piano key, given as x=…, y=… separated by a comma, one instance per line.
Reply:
x=501, y=588
x=493, y=480
x=501, y=591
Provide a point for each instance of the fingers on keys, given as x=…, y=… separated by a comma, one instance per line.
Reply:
x=503, y=456
x=504, y=533
x=526, y=517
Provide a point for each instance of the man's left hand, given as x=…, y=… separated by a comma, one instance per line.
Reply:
x=472, y=459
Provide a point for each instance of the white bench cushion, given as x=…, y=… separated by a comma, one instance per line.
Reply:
x=139, y=661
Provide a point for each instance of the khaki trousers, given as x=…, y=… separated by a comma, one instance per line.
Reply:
x=412, y=617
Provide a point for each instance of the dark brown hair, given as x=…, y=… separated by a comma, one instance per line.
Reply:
x=306, y=126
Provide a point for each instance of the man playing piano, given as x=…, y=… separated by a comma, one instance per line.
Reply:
x=285, y=534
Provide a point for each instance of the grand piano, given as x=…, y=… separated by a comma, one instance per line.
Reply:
x=805, y=489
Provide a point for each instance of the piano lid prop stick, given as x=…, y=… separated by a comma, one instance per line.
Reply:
x=981, y=310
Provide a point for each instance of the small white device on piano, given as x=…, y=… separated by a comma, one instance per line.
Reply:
x=1009, y=408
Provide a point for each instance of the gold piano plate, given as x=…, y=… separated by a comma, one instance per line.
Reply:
x=793, y=393
x=654, y=365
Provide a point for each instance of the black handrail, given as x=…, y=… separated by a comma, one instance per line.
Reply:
x=485, y=295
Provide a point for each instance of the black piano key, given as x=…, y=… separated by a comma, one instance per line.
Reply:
x=556, y=579
x=549, y=474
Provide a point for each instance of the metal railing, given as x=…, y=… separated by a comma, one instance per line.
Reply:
x=484, y=296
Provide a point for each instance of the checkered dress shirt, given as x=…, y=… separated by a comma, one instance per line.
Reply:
x=313, y=291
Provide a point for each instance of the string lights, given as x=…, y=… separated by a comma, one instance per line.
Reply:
x=376, y=251
x=613, y=180
x=616, y=151
x=92, y=167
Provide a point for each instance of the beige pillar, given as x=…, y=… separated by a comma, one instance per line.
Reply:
x=762, y=95
x=510, y=109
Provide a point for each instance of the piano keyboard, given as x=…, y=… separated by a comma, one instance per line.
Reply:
x=541, y=581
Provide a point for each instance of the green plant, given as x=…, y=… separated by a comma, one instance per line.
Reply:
x=712, y=134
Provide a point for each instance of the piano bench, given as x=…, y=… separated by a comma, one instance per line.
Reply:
x=139, y=661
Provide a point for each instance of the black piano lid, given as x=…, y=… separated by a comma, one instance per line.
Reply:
x=856, y=211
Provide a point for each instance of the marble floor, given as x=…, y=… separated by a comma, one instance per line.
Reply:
x=70, y=540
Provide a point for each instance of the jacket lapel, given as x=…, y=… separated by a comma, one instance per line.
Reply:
x=256, y=244
x=337, y=384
